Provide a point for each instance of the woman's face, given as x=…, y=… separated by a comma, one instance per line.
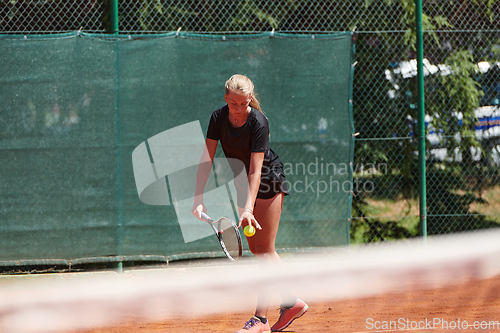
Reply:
x=238, y=102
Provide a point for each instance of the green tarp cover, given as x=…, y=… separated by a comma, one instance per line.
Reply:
x=73, y=108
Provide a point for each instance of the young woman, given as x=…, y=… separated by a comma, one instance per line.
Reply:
x=243, y=131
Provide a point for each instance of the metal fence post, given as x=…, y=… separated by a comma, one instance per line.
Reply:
x=114, y=17
x=114, y=29
x=421, y=121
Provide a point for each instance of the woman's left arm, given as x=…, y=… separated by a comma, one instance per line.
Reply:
x=256, y=161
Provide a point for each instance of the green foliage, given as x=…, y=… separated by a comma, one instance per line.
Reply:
x=454, y=96
x=250, y=11
x=449, y=200
x=369, y=230
x=451, y=101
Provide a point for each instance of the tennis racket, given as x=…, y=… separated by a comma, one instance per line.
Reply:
x=228, y=235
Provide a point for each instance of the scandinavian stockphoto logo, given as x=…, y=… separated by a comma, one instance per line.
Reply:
x=165, y=168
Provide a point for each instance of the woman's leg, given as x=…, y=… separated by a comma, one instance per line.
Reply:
x=267, y=212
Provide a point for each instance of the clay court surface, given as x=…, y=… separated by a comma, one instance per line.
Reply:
x=459, y=305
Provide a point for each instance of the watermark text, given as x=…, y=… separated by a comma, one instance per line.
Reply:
x=431, y=324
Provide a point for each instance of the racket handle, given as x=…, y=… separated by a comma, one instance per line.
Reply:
x=205, y=216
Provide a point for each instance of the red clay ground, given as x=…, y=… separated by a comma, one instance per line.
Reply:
x=450, y=309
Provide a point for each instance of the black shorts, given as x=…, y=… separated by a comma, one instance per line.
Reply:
x=271, y=184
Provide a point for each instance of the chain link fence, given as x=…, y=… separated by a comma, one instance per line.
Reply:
x=462, y=84
x=52, y=16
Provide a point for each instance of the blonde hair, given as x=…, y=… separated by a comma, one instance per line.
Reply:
x=243, y=84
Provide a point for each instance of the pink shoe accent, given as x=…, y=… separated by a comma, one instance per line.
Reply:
x=287, y=316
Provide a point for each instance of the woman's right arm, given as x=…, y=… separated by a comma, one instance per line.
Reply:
x=204, y=169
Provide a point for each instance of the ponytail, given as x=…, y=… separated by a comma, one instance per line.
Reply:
x=255, y=103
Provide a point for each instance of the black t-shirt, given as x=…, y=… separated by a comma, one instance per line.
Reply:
x=240, y=142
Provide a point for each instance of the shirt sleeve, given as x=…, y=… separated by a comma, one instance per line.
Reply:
x=260, y=138
x=213, y=128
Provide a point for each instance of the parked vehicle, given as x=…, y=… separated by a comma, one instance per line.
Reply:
x=487, y=122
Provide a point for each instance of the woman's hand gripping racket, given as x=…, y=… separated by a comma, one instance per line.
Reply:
x=228, y=235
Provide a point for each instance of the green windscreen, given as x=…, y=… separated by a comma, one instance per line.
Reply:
x=74, y=108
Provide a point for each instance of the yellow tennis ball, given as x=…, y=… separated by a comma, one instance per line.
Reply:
x=249, y=230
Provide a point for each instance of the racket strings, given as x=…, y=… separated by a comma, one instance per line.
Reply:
x=230, y=238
